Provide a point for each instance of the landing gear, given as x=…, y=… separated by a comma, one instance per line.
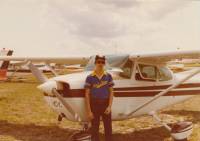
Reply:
x=86, y=126
x=60, y=117
x=83, y=135
x=179, y=131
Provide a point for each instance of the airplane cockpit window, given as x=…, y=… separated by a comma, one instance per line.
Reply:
x=164, y=74
x=146, y=72
x=152, y=73
x=127, y=69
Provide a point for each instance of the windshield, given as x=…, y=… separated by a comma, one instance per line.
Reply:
x=127, y=69
x=146, y=72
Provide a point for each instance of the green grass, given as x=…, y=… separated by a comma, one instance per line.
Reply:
x=24, y=116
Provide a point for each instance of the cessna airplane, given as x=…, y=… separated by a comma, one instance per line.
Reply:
x=143, y=84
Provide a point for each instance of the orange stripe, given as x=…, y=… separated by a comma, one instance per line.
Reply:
x=127, y=91
x=3, y=75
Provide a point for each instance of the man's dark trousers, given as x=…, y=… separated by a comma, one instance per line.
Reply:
x=98, y=107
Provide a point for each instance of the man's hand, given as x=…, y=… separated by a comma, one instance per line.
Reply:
x=108, y=110
x=90, y=115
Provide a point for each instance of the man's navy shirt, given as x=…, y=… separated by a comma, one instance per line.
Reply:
x=99, y=88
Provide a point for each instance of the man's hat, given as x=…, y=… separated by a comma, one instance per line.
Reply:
x=99, y=57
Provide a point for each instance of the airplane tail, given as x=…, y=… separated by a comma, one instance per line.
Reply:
x=4, y=64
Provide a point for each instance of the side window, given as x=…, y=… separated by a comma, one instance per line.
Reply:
x=146, y=72
x=164, y=74
x=127, y=69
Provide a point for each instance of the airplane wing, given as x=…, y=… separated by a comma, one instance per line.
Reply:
x=58, y=60
x=164, y=57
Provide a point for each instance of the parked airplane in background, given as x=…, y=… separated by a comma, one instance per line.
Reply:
x=183, y=64
x=187, y=61
x=143, y=84
x=22, y=67
x=4, y=64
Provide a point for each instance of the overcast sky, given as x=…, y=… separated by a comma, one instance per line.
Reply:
x=74, y=27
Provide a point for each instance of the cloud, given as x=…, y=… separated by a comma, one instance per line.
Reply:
x=84, y=21
x=87, y=19
x=118, y=3
x=161, y=8
x=96, y=25
x=104, y=23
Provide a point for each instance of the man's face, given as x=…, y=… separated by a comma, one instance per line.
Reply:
x=100, y=63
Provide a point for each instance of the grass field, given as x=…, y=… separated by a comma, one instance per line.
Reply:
x=24, y=116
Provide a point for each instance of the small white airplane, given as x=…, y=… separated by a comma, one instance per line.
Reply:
x=4, y=64
x=187, y=61
x=143, y=84
x=22, y=67
x=183, y=64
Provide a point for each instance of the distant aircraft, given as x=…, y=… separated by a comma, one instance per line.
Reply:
x=183, y=64
x=22, y=67
x=143, y=84
x=4, y=64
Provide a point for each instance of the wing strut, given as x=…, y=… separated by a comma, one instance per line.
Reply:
x=52, y=70
x=164, y=92
x=37, y=73
x=65, y=104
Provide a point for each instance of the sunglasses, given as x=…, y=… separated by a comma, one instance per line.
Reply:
x=100, y=62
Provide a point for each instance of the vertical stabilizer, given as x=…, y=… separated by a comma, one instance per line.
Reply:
x=4, y=64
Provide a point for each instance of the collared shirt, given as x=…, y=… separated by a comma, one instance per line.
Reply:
x=99, y=88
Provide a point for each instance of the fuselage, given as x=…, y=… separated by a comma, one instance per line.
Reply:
x=129, y=92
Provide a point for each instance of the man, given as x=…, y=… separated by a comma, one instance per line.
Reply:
x=99, y=97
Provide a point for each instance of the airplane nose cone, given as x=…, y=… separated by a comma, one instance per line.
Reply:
x=47, y=86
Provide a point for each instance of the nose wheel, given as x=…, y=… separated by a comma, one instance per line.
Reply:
x=83, y=135
x=180, y=131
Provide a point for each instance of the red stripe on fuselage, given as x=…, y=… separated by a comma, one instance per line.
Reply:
x=191, y=85
x=147, y=94
x=142, y=91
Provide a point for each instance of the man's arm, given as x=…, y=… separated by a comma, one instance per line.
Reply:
x=87, y=99
x=110, y=84
x=108, y=109
x=111, y=97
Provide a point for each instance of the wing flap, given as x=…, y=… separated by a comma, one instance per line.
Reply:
x=58, y=60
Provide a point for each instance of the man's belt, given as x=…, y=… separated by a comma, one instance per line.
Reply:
x=99, y=100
